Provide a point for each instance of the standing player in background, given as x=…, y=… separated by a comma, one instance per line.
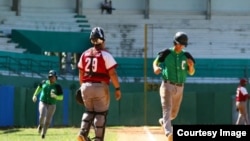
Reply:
x=50, y=91
x=241, y=102
x=96, y=68
x=174, y=64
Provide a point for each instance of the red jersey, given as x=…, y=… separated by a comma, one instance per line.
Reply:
x=241, y=94
x=95, y=64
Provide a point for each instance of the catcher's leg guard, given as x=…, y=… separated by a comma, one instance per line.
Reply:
x=87, y=120
x=100, y=125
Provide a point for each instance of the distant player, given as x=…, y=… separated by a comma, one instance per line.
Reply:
x=241, y=102
x=174, y=64
x=96, y=68
x=50, y=92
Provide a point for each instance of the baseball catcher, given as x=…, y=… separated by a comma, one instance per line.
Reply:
x=96, y=68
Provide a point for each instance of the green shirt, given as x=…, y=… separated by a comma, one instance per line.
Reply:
x=174, y=65
x=46, y=88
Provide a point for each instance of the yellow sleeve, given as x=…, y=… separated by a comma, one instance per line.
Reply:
x=37, y=91
x=59, y=97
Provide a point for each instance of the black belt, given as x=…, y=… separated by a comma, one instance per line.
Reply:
x=176, y=84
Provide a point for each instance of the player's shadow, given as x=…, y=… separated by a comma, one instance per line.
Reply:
x=9, y=131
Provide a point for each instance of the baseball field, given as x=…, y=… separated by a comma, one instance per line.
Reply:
x=121, y=133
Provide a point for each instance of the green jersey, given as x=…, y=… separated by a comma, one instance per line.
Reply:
x=174, y=65
x=46, y=89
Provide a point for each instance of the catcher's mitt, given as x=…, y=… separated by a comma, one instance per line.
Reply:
x=79, y=97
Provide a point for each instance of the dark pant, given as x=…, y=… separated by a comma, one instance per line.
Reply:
x=108, y=9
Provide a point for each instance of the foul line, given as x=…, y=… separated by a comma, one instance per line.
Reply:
x=150, y=135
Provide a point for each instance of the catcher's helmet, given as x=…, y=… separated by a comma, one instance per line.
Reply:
x=243, y=81
x=97, y=32
x=181, y=38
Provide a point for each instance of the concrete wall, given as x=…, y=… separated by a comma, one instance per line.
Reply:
x=178, y=5
x=5, y=2
x=159, y=5
x=118, y=4
x=175, y=5
x=170, y=5
x=49, y=3
x=232, y=6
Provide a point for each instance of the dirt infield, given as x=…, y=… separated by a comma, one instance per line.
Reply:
x=143, y=133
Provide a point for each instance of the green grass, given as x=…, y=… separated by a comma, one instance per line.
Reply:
x=53, y=134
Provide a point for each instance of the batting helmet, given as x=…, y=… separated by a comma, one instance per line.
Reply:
x=52, y=73
x=181, y=38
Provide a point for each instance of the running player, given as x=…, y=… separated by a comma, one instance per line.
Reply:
x=174, y=64
x=50, y=91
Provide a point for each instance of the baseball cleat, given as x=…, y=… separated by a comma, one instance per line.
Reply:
x=43, y=136
x=82, y=138
x=39, y=129
x=170, y=137
x=161, y=121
